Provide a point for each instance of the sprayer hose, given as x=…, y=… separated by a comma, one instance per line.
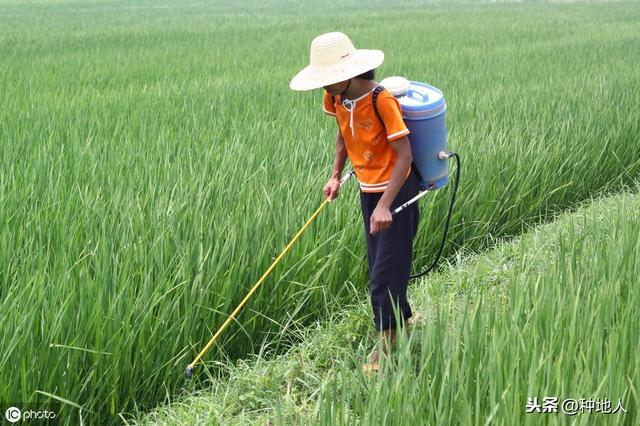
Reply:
x=448, y=220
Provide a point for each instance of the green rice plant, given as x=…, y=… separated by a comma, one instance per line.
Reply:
x=561, y=322
x=552, y=313
x=154, y=162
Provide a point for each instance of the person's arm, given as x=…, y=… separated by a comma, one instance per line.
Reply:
x=332, y=188
x=381, y=218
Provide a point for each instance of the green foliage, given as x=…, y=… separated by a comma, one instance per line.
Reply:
x=154, y=162
x=562, y=320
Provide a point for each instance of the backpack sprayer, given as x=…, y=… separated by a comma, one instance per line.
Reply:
x=423, y=110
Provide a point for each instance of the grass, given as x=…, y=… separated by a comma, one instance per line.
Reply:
x=553, y=313
x=154, y=162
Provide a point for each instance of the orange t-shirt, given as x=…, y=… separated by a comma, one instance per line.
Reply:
x=366, y=138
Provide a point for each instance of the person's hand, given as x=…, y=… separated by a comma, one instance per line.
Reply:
x=380, y=220
x=332, y=189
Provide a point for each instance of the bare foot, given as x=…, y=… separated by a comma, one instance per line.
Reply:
x=373, y=365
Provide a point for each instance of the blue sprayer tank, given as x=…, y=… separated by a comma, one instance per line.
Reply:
x=423, y=111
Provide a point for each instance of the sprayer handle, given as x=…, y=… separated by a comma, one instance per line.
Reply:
x=417, y=95
x=346, y=177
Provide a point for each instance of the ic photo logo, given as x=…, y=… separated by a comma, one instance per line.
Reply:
x=13, y=414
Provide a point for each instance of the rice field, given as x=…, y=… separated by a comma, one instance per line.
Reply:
x=550, y=314
x=154, y=162
x=553, y=323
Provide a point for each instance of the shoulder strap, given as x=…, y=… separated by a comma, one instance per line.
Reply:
x=376, y=92
x=374, y=99
x=333, y=102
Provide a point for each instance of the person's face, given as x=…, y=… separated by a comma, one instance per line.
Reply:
x=337, y=88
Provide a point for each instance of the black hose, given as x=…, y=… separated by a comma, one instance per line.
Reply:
x=446, y=226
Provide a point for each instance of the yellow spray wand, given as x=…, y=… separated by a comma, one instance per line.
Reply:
x=189, y=370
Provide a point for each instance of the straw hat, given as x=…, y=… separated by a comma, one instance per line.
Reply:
x=333, y=59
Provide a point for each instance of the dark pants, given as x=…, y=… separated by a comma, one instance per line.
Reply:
x=390, y=253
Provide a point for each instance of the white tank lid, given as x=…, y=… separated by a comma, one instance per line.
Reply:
x=398, y=86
